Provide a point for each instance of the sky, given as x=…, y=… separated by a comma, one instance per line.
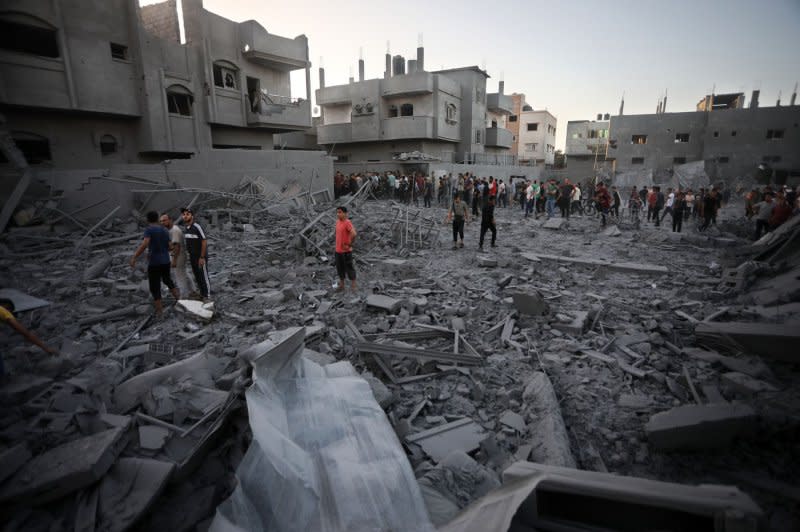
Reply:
x=574, y=58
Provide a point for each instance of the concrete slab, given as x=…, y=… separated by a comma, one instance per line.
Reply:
x=487, y=262
x=745, y=384
x=463, y=434
x=22, y=301
x=152, y=437
x=772, y=340
x=533, y=304
x=700, y=426
x=513, y=420
x=65, y=469
x=630, y=267
x=199, y=309
x=382, y=302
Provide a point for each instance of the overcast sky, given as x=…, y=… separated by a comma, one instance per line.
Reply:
x=572, y=57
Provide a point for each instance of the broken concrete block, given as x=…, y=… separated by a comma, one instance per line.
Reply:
x=504, y=281
x=21, y=300
x=487, y=262
x=700, y=426
x=248, y=228
x=463, y=434
x=579, y=322
x=96, y=268
x=745, y=384
x=64, y=469
x=382, y=394
x=533, y=304
x=152, y=437
x=199, y=309
x=555, y=223
x=514, y=421
x=12, y=459
x=548, y=433
x=389, y=304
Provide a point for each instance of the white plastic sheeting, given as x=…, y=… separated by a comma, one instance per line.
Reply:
x=324, y=456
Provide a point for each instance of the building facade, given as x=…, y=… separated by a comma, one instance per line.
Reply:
x=96, y=84
x=537, y=137
x=586, y=147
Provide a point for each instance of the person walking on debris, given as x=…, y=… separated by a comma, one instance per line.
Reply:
x=177, y=250
x=7, y=316
x=552, y=193
x=603, y=199
x=709, y=207
x=564, y=198
x=197, y=247
x=458, y=213
x=575, y=201
x=658, y=206
x=677, y=210
x=156, y=242
x=668, y=205
x=345, y=236
x=487, y=222
x=616, y=201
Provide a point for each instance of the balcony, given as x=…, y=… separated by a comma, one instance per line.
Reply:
x=499, y=137
x=334, y=133
x=335, y=95
x=407, y=127
x=272, y=51
x=280, y=113
x=500, y=103
x=408, y=84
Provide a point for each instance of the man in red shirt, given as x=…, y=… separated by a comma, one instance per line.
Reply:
x=345, y=236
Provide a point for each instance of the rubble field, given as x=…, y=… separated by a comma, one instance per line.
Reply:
x=629, y=349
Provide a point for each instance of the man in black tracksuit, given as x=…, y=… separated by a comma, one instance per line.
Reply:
x=487, y=222
x=197, y=247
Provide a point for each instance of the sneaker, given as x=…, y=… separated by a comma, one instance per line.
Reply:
x=461, y=244
x=455, y=246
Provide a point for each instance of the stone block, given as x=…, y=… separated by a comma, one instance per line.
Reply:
x=379, y=301
x=487, y=262
x=580, y=319
x=700, y=426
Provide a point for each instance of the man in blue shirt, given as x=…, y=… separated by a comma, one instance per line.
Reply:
x=156, y=242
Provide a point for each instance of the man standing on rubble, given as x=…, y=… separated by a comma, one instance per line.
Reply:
x=458, y=214
x=177, y=250
x=197, y=247
x=345, y=236
x=156, y=242
x=487, y=222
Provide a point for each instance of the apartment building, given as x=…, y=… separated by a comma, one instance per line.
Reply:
x=586, y=146
x=537, y=137
x=103, y=83
x=732, y=140
x=412, y=118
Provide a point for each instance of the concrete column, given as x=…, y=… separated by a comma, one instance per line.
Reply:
x=360, y=70
x=412, y=66
x=308, y=81
x=501, y=87
x=388, y=72
x=321, y=78
x=420, y=59
x=754, y=99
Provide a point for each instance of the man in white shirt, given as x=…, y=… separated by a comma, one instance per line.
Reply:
x=576, y=200
x=668, y=205
x=177, y=252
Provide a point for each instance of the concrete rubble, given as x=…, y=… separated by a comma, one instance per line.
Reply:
x=629, y=355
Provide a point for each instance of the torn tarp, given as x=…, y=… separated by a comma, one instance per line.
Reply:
x=323, y=457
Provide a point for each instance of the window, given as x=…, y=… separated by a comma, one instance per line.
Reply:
x=407, y=109
x=592, y=134
x=551, y=129
x=477, y=95
x=225, y=75
x=733, y=133
x=679, y=160
x=392, y=111
x=723, y=160
x=681, y=137
x=550, y=148
x=533, y=127
x=638, y=139
x=179, y=100
x=604, y=133
x=35, y=148
x=512, y=118
x=119, y=51
x=774, y=134
x=716, y=134
x=637, y=160
x=450, y=113
x=108, y=145
x=31, y=38
x=531, y=146
x=766, y=158
x=477, y=136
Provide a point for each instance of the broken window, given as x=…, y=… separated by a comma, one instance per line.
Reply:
x=119, y=51
x=477, y=136
x=679, y=160
x=108, y=145
x=31, y=38
x=407, y=109
x=533, y=127
x=637, y=160
x=774, y=134
x=179, y=100
x=723, y=159
x=392, y=111
x=681, y=137
x=225, y=75
x=450, y=112
x=512, y=118
x=638, y=139
x=35, y=148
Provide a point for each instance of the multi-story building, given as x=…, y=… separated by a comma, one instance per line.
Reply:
x=103, y=83
x=537, y=137
x=518, y=105
x=732, y=140
x=586, y=146
x=412, y=116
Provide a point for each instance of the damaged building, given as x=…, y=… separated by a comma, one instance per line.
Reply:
x=734, y=141
x=104, y=98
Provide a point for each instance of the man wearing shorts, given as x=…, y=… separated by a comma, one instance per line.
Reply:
x=345, y=236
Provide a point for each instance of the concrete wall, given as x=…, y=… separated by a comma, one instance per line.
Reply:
x=241, y=137
x=161, y=19
x=579, y=137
